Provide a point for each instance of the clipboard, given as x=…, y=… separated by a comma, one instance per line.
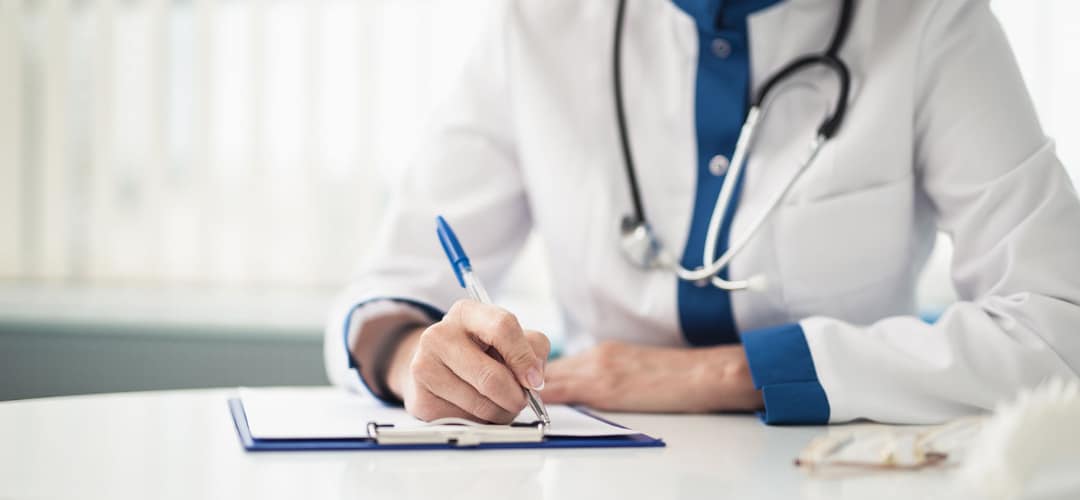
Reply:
x=458, y=438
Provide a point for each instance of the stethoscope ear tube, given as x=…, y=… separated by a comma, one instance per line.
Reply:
x=620, y=114
x=831, y=123
x=640, y=244
x=727, y=191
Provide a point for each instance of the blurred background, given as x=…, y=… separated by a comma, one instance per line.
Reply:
x=184, y=184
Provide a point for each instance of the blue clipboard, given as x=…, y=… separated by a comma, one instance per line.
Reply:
x=236, y=407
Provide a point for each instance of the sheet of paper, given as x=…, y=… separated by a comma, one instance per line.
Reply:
x=313, y=414
x=566, y=421
x=335, y=414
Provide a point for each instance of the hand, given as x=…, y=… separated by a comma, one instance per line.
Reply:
x=472, y=364
x=618, y=376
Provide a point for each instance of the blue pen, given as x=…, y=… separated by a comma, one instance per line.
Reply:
x=471, y=283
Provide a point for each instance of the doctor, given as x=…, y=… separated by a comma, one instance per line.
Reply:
x=736, y=199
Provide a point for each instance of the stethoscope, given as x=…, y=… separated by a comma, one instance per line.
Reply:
x=640, y=244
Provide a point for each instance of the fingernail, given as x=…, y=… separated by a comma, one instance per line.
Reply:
x=536, y=380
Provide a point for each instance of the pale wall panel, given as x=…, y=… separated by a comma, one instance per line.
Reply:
x=181, y=221
x=130, y=193
x=51, y=196
x=10, y=139
x=102, y=131
x=204, y=13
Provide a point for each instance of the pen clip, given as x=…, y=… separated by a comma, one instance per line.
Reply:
x=458, y=260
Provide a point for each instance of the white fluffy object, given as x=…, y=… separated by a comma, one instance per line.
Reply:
x=1037, y=432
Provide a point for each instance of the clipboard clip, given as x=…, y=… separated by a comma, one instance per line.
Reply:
x=456, y=432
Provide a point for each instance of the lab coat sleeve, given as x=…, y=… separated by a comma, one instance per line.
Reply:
x=1003, y=197
x=783, y=370
x=467, y=171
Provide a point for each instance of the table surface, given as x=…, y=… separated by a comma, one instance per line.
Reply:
x=182, y=444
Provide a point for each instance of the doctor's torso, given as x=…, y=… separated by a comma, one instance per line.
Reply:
x=940, y=135
x=848, y=240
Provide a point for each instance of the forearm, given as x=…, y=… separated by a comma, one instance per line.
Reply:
x=629, y=377
x=376, y=343
x=699, y=380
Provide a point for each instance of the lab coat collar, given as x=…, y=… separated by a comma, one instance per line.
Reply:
x=714, y=15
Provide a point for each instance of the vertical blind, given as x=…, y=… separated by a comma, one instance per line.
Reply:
x=210, y=141
x=224, y=142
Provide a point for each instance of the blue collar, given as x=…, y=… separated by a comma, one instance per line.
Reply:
x=719, y=15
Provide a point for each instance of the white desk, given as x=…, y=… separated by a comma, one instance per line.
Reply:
x=183, y=445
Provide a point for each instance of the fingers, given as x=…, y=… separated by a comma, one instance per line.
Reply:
x=558, y=393
x=427, y=407
x=498, y=328
x=473, y=364
x=560, y=386
x=439, y=380
x=567, y=381
x=565, y=366
x=464, y=361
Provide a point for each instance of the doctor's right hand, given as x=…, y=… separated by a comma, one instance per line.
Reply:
x=472, y=364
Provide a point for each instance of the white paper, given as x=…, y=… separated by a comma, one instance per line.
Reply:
x=312, y=414
x=566, y=421
x=335, y=414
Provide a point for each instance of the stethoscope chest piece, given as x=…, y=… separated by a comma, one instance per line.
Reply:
x=639, y=246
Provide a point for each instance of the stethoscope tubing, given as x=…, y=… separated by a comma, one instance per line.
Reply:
x=830, y=125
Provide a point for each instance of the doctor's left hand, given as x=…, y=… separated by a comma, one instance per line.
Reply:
x=619, y=376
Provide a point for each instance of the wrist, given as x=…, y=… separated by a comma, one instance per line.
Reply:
x=727, y=380
x=396, y=374
x=374, y=340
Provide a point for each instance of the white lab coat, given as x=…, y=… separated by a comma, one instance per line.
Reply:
x=940, y=135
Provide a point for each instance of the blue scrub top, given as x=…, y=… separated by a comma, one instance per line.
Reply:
x=722, y=95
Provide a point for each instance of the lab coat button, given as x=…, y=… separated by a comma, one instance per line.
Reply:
x=721, y=48
x=718, y=165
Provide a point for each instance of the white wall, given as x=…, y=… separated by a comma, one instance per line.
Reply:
x=211, y=142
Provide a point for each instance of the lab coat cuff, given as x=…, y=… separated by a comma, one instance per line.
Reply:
x=432, y=312
x=783, y=370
